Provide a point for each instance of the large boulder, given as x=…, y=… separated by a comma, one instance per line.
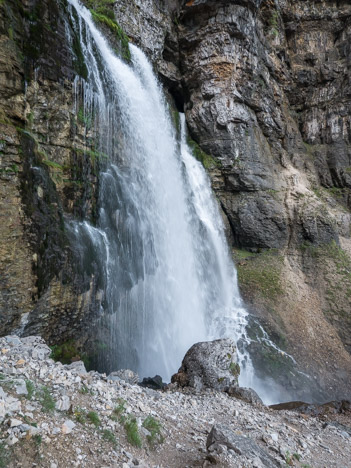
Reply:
x=222, y=435
x=209, y=364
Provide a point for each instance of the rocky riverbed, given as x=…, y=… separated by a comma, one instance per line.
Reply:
x=54, y=415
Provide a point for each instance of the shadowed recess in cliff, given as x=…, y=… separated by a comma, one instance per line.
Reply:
x=158, y=247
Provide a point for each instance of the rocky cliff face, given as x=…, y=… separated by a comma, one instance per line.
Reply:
x=46, y=172
x=265, y=86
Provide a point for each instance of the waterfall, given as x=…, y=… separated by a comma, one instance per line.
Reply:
x=166, y=276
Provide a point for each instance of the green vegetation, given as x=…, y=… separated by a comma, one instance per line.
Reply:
x=109, y=436
x=176, y=119
x=86, y=390
x=133, y=436
x=64, y=352
x=234, y=368
x=4, y=456
x=102, y=12
x=80, y=415
x=79, y=64
x=121, y=408
x=206, y=160
x=30, y=389
x=37, y=439
x=84, y=118
x=94, y=418
x=289, y=459
x=52, y=164
x=154, y=427
x=260, y=271
x=273, y=23
x=13, y=169
x=45, y=399
x=94, y=155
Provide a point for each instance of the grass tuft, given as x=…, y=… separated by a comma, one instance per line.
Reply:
x=154, y=427
x=46, y=400
x=133, y=436
x=94, y=418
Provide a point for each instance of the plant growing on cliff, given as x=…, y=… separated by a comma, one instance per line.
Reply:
x=64, y=352
x=206, y=160
x=234, y=369
x=102, y=12
x=273, y=22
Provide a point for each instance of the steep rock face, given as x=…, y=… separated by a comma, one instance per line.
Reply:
x=267, y=95
x=46, y=173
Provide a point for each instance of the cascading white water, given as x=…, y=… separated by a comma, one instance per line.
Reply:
x=159, y=243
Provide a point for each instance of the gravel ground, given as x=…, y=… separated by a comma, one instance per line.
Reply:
x=52, y=415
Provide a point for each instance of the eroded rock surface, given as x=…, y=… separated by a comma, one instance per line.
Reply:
x=210, y=364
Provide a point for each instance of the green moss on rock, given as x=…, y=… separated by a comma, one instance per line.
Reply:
x=206, y=160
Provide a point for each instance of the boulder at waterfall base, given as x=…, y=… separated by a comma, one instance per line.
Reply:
x=209, y=364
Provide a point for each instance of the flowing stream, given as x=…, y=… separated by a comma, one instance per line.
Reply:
x=166, y=276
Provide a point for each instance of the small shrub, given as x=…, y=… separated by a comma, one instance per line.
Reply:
x=46, y=400
x=120, y=409
x=30, y=389
x=64, y=352
x=80, y=415
x=234, y=368
x=37, y=439
x=132, y=431
x=154, y=427
x=94, y=418
x=109, y=436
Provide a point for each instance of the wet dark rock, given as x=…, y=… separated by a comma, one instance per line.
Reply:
x=154, y=383
x=209, y=364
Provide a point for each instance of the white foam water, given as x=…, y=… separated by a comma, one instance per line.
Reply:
x=159, y=245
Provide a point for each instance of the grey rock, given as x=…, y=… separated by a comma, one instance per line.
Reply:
x=13, y=340
x=24, y=427
x=223, y=435
x=68, y=426
x=63, y=404
x=21, y=388
x=77, y=367
x=15, y=422
x=209, y=364
x=126, y=375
